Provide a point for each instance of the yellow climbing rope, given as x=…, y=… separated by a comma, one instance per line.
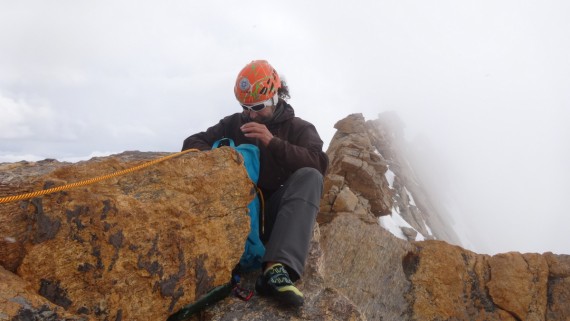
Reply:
x=14, y=198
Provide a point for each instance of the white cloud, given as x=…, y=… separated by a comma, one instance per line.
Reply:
x=130, y=130
x=471, y=77
x=75, y=159
x=22, y=120
x=12, y=158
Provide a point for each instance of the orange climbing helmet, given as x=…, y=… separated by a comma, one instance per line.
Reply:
x=256, y=82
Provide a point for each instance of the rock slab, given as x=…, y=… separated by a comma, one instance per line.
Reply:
x=135, y=247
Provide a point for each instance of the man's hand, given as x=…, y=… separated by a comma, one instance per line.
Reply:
x=257, y=130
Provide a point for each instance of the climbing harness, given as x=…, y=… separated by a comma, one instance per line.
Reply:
x=20, y=197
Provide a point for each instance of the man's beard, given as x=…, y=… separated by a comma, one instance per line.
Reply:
x=261, y=119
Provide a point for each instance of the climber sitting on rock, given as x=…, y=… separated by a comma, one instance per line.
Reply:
x=292, y=165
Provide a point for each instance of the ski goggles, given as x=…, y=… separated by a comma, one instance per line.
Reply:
x=259, y=107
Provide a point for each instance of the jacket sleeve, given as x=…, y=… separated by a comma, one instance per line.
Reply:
x=304, y=151
x=205, y=140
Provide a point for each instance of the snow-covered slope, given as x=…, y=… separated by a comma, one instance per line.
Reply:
x=372, y=174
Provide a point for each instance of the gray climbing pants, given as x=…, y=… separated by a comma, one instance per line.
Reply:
x=290, y=216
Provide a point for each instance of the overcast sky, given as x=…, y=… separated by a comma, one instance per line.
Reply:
x=484, y=84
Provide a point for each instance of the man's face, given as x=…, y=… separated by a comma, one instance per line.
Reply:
x=263, y=116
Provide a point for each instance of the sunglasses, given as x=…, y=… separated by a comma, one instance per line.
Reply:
x=258, y=107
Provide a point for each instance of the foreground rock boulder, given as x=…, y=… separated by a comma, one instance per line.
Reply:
x=450, y=283
x=135, y=247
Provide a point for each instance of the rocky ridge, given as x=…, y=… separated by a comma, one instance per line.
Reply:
x=392, y=278
x=141, y=246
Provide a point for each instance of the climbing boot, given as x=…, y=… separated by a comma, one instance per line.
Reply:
x=275, y=282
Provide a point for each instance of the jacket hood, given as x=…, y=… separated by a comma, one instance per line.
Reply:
x=283, y=112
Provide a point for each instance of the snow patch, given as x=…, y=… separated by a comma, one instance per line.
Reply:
x=428, y=229
x=410, y=197
x=390, y=177
x=393, y=223
x=399, y=219
x=388, y=223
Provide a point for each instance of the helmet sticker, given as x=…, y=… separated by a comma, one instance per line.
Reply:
x=244, y=84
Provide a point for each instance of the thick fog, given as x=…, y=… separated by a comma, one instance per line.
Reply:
x=483, y=88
